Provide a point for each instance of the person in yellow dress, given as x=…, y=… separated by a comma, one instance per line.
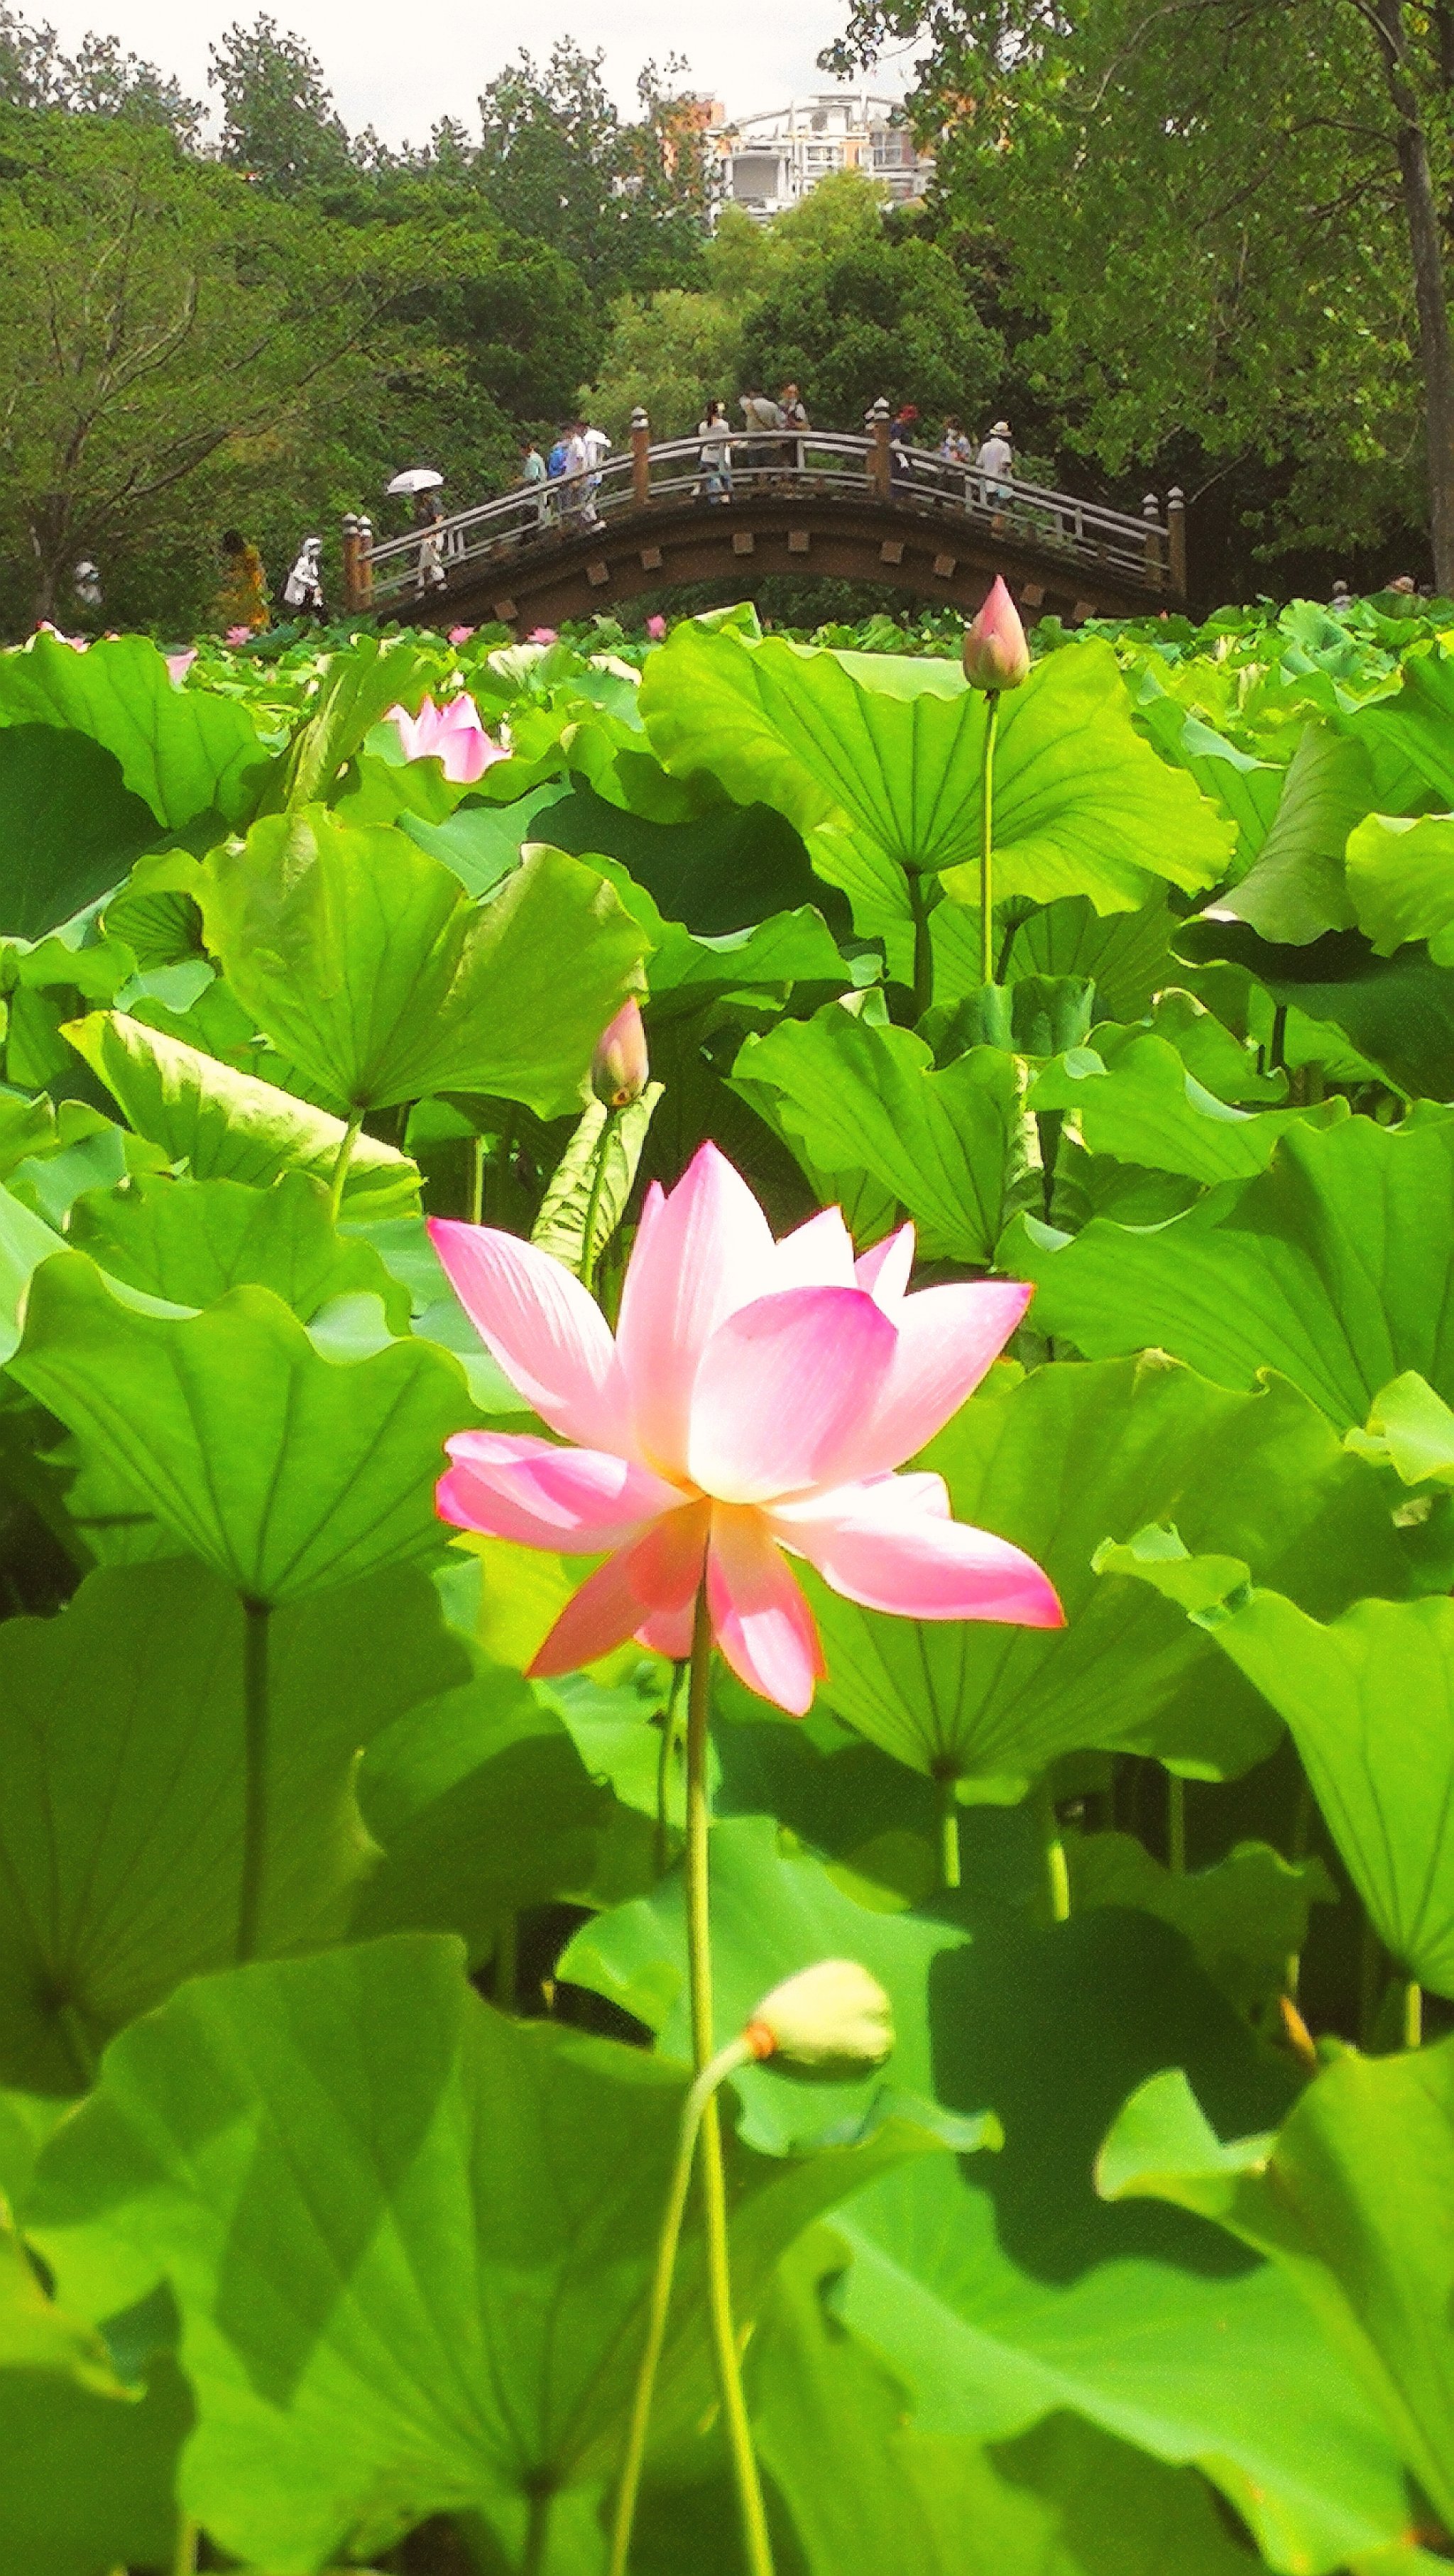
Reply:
x=243, y=597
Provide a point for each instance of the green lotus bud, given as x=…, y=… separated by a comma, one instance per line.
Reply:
x=833, y=2014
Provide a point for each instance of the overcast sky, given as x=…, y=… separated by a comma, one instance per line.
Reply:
x=400, y=68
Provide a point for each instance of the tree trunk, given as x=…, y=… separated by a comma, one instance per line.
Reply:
x=50, y=528
x=1436, y=352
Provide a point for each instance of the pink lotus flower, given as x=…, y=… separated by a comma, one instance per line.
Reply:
x=179, y=664
x=237, y=636
x=996, y=655
x=452, y=734
x=460, y=635
x=753, y=1402
x=656, y=628
x=542, y=635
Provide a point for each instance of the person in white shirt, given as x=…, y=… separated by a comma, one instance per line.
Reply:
x=716, y=454
x=996, y=463
x=598, y=447
x=579, y=508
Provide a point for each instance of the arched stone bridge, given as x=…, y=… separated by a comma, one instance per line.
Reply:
x=818, y=506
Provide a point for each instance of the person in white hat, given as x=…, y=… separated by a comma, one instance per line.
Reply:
x=996, y=463
x=303, y=589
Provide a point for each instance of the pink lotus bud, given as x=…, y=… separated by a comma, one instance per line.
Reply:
x=460, y=635
x=237, y=636
x=620, y=1067
x=996, y=655
x=656, y=628
x=179, y=664
x=542, y=635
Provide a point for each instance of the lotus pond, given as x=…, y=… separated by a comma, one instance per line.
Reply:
x=1021, y=1599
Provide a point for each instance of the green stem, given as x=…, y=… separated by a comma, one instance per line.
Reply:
x=921, y=908
x=256, y=1615
x=507, y=1961
x=537, y=2532
x=727, y=2060
x=987, y=842
x=1175, y=1825
x=757, y=2547
x=184, y=2557
x=341, y=1162
x=664, y=1761
x=593, y=1203
x=948, y=1830
x=1413, y=2015
x=1052, y=1843
x=1003, y=968
x=1277, y=1047
x=477, y=1180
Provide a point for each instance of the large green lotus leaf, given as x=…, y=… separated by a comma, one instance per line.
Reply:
x=1134, y=1098
x=1398, y=1012
x=1401, y=882
x=1296, y=890
x=1369, y=1700
x=1002, y=2291
x=1411, y=1427
x=878, y=783
x=69, y=827
x=480, y=843
x=1332, y=1266
x=358, y=688
x=1408, y=735
x=1246, y=787
x=121, y=1829
x=482, y=1804
x=369, y=968
x=726, y=870
x=1354, y=2199
x=1244, y=1917
x=687, y=970
x=775, y=1908
x=285, y=1471
x=190, y=1241
x=870, y=2495
x=1127, y=956
x=185, y=752
x=1058, y=1462
x=999, y=2289
x=852, y=1097
x=229, y=1126
x=410, y=2241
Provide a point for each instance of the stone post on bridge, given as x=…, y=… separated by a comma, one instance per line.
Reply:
x=880, y=454
x=640, y=457
x=1176, y=538
x=358, y=574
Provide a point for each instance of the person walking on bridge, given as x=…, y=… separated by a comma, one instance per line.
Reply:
x=760, y=413
x=996, y=463
x=716, y=454
x=795, y=416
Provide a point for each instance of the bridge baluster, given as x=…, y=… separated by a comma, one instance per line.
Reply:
x=640, y=457
x=880, y=454
x=1176, y=538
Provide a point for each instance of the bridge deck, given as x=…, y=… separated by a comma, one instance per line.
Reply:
x=820, y=505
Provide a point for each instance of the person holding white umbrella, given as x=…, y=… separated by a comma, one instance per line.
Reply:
x=422, y=483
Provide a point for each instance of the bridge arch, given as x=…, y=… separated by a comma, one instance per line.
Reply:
x=818, y=506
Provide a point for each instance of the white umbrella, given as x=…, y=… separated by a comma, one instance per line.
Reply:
x=415, y=478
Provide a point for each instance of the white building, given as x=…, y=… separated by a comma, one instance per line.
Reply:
x=768, y=162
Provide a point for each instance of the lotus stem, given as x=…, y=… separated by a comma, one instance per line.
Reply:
x=948, y=1830
x=727, y=2060
x=477, y=1180
x=341, y=1162
x=664, y=1760
x=1052, y=1844
x=255, y=1720
x=1175, y=1825
x=537, y=2531
x=593, y=1202
x=756, y=2544
x=1413, y=2014
x=184, y=2557
x=921, y=908
x=987, y=841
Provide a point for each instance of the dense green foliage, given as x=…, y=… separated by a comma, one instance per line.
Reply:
x=342, y=2025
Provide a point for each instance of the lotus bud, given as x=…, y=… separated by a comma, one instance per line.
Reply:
x=620, y=1067
x=996, y=655
x=833, y=2014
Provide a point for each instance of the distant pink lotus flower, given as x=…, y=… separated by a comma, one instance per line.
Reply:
x=77, y=643
x=460, y=635
x=452, y=734
x=179, y=664
x=753, y=1401
x=543, y=635
x=238, y=635
x=656, y=628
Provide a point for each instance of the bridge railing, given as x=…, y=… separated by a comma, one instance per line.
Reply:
x=1147, y=553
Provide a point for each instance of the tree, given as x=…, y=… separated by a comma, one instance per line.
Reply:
x=278, y=117
x=1226, y=219
x=158, y=323
x=626, y=203
x=98, y=80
